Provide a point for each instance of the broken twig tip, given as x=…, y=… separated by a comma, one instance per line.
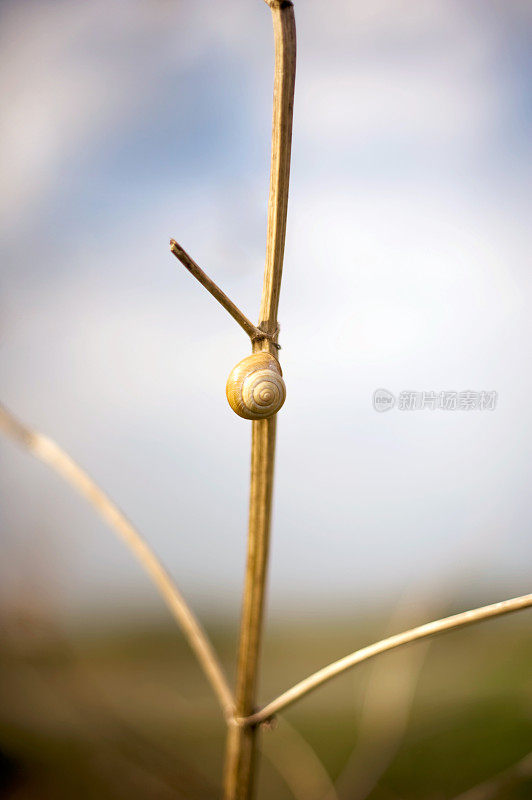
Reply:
x=214, y=290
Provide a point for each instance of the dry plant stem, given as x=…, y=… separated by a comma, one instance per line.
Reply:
x=50, y=453
x=284, y=30
x=252, y=331
x=241, y=742
x=430, y=629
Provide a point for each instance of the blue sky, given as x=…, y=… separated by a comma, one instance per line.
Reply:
x=407, y=266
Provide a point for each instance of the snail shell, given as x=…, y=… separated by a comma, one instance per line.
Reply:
x=255, y=388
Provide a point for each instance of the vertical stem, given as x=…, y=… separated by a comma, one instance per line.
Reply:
x=284, y=31
x=241, y=741
x=262, y=461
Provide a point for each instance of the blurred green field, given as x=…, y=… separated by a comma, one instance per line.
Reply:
x=125, y=713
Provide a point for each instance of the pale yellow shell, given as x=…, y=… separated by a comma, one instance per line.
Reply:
x=255, y=388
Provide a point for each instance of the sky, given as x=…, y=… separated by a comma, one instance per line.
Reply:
x=407, y=268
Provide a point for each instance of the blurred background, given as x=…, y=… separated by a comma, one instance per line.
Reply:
x=407, y=267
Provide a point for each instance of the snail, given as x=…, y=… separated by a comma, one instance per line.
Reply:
x=255, y=388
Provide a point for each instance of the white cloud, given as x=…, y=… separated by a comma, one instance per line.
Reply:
x=401, y=284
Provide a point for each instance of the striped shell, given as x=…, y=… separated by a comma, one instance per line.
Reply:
x=255, y=388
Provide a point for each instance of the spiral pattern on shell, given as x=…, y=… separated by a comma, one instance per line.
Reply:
x=255, y=388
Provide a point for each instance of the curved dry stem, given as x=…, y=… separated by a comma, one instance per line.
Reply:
x=50, y=453
x=336, y=668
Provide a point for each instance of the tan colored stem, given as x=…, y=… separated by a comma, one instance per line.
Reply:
x=241, y=742
x=430, y=629
x=50, y=453
x=252, y=331
x=284, y=29
x=242, y=739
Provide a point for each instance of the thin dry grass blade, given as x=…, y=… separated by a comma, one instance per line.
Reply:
x=423, y=631
x=50, y=453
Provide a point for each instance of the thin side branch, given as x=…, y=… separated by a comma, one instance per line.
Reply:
x=50, y=453
x=252, y=331
x=336, y=668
